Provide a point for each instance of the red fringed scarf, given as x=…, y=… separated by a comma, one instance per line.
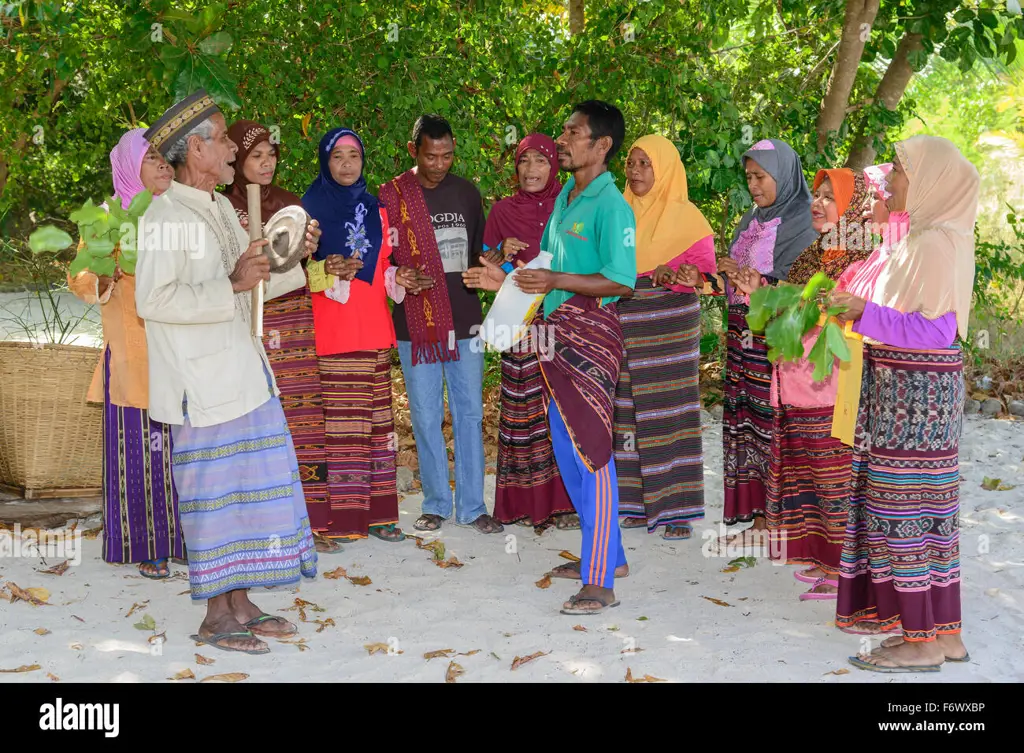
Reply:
x=429, y=314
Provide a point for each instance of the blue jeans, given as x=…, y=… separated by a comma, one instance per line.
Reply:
x=425, y=385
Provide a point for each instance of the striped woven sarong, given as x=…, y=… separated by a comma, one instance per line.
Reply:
x=746, y=420
x=808, y=488
x=528, y=484
x=242, y=510
x=291, y=350
x=361, y=442
x=140, y=506
x=901, y=554
x=658, y=453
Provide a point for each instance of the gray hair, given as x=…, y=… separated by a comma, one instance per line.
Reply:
x=176, y=154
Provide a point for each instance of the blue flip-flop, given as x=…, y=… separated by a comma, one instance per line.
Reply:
x=160, y=565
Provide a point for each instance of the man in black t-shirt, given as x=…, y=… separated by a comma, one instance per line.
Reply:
x=437, y=223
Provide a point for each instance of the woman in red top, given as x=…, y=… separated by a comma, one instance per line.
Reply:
x=351, y=277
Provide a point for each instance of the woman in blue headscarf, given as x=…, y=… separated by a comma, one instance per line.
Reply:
x=350, y=278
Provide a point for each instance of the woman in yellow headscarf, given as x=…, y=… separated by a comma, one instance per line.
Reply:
x=658, y=452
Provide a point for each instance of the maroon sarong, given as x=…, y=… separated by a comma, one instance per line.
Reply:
x=429, y=314
x=580, y=371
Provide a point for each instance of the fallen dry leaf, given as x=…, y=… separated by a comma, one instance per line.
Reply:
x=360, y=580
x=442, y=653
x=719, y=602
x=41, y=631
x=228, y=677
x=185, y=674
x=329, y=622
x=569, y=556
x=200, y=659
x=837, y=672
x=645, y=678
x=544, y=582
x=631, y=651
x=57, y=569
x=732, y=569
x=53, y=677
x=35, y=596
x=453, y=671
x=520, y=661
x=22, y=668
x=379, y=648
x=470, y=653
x=451, y=562
x=437, y=547
x=580, y=628
x=78, y=618
x=158, y=638
x=300, y=644
x=131, y=611
x=77, y=646
x=336, y=574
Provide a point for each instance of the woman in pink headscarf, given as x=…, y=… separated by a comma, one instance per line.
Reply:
x=529, y=490
x=140, y=512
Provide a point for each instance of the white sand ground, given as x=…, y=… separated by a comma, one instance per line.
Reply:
x=491, y=605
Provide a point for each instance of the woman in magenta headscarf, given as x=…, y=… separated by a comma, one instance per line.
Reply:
x=529, y=489
x=140, y=511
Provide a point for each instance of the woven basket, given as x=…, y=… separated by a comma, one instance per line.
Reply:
x=51, y=439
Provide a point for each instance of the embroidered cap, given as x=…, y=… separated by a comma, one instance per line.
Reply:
x=179, y=120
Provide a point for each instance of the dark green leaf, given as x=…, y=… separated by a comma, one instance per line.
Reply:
x=964, y=15
x=213, y=76
x=820, y=357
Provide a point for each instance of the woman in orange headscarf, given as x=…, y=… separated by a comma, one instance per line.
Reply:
x=658, y=451
x=809, y=470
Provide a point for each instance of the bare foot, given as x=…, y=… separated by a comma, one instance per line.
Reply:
x=953, y=648
x=906, y=655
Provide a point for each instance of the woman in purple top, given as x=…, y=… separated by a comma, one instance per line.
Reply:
x=900, y=563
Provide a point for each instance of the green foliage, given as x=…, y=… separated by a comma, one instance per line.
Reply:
x=101, y=231
x=786, y=313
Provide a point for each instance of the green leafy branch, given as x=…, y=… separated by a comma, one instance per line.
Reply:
x=102, y=231
x=786, y=313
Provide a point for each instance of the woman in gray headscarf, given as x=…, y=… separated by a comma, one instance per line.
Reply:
x=770, y=236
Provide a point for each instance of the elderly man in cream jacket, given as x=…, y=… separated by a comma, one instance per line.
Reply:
x=243, y=513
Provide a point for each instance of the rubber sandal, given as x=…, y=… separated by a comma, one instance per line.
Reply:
x=257, y=621
x=631, y=522
x=861, y=664
x=576, y=599
x=962, y=660
x=160, y=565
x=499, y=528
x=804, y=578
x=375, y=532
x=811, y=595
x=688, y=533
x=428, y=522
x=214, y=640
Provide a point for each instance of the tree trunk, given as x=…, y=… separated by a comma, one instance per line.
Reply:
x=576, y=17
x=860, y=15
x=890, y=90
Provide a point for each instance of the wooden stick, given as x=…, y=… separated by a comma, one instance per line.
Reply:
x=256, y=234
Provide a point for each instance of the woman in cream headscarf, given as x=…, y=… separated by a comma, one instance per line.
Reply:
x=900, y=565
x=658, y=453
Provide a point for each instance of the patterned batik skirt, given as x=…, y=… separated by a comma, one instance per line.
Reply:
x=746, y=420
x=361, y=443
x=528, y=486
x=291, y=349
x=658, y=451
x=808, y=488
x=140, y=505
x=900, y=562
x=242, y=509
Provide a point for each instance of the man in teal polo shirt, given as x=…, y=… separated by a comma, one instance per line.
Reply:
x=590, y=235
